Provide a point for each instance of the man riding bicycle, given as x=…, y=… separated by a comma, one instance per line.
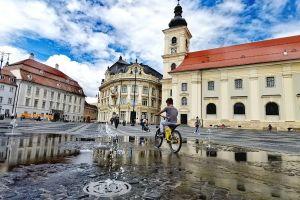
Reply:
x=171, y=115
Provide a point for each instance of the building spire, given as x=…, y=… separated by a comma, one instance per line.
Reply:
x=178, y=20
x=178, y=2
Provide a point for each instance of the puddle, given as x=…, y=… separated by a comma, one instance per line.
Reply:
x=196, y=170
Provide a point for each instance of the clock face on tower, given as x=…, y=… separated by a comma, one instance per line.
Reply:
x=173, y=50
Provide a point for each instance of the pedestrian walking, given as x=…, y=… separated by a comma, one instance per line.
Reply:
x=197, y=125
x=270, y=128
x=117, y=121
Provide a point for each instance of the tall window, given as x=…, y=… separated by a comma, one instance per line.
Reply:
x=153, y=92
x=52, y=94
x=145, y=90
x=28, y=89
x=270, y=81
x=51, y=104
x=173, y=66
x=238, y=83
x=171, y=92
x=1, y=87
x=37, y=91
x=124, y=89
x=145, y=102
x=174, y=40
x=184, y=87
x=272, y=108
x=11, y=89
x=45, y=93
x=239, y=109
x=36, y=102
x=123, y=100
x=44, y=104
x=184, y=101
x=136, y=89
x=9, y=101
x=211, y=85
x=58, y=97
x=65, y=97
x=27, y=101
x=1, y=99
x=123, y=115
x=211, y=109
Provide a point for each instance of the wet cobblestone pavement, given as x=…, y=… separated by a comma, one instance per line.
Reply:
x=58, y=166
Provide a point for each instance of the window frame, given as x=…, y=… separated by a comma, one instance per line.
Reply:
x=237, y=85
x=211, y=87
x=184, y=87
x=270, y=83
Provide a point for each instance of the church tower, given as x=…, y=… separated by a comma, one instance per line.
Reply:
x=177, y=42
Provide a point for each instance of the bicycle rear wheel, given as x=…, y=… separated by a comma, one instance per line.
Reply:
x=176, y=141
x=158, y=139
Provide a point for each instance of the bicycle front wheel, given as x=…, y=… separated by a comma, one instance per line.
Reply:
x=158, y=139
x=176, y=141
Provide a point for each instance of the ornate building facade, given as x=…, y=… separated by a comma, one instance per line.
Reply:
x=242, y=86
x=129, y=87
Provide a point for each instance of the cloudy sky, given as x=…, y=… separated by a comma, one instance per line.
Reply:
x=86, y=36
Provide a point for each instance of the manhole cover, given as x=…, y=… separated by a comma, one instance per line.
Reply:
x=107, y=188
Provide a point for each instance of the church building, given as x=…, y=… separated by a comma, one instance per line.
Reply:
x=242, y=86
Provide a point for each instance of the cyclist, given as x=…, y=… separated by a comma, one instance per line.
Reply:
x=171, y=115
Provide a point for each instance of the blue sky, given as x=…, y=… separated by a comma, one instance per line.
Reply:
x=85, y=36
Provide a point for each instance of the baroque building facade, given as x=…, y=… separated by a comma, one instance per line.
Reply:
x=8, y=88
x=129, y=87
x=46, y=92
x=243, y=86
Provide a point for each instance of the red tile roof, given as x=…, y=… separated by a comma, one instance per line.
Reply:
x=244, y=54
x=42, y=74
x=8, y=78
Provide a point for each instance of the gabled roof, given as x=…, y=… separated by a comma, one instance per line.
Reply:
x=8, y=78
x=42, y=74
x=273, y=50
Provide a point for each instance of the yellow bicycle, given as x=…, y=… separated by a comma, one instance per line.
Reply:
x=171, y=135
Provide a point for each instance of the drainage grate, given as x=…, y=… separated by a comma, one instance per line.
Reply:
x=107, y=188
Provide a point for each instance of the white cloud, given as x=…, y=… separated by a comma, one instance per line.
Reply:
x=136, y=26
x=87, y=75
x=286, y=29
x=16, y=54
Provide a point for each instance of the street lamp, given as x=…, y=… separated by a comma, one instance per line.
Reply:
x=133, y=113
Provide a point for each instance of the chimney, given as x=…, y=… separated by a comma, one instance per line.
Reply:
x=31, y=56
x=57, y=66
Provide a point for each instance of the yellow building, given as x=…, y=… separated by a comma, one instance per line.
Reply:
x=129, y=87
x=243, y=86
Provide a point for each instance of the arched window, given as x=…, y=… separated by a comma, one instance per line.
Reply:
x=184, y=101
x=211, y=109
x=173, y=66
x=239, y=109
x=272, y=108
x=174, y=40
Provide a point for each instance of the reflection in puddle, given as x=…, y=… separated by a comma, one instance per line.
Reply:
x=33, y=149
x=201, y=164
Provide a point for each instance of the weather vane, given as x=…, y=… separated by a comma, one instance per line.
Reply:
x=178, y=1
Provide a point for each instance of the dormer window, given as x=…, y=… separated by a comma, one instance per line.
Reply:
x=174, y=40
x=29, y=77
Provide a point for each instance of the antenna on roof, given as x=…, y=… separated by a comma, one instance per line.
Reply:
x=7, y=61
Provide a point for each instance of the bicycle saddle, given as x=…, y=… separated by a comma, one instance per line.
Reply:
x=173, y=126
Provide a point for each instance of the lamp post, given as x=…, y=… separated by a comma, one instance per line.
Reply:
x=133, y=114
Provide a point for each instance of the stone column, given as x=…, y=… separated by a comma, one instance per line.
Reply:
x=223, y=108
x=288, y=97
x=253, y=110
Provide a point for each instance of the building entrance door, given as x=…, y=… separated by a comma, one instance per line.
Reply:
x=183, y=119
